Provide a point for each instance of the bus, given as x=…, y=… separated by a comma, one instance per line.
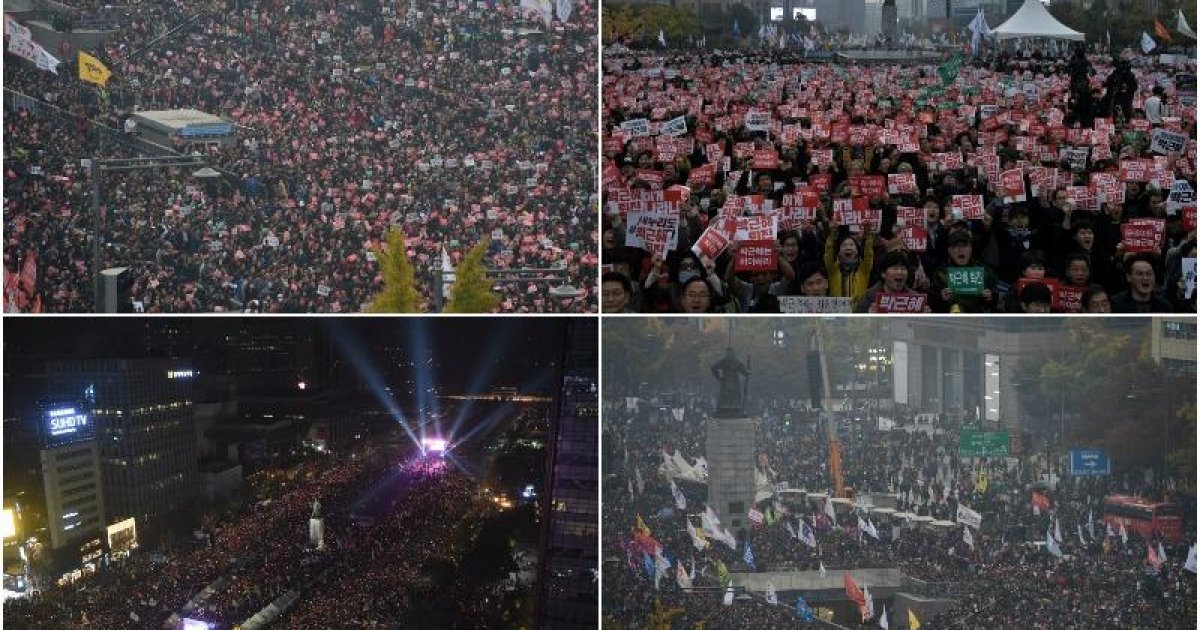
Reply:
x=1144, y=517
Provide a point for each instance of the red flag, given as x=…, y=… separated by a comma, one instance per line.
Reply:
x=1161, y=31
x=853, y=592
x=1041, y=501
x=1152, y=557
x=29, y=272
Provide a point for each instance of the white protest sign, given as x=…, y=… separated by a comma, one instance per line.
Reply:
x=635, y=128
x=1167, y=142
x=1189, y=278
x=675, y=127
x=969, y=517
x=809, y=304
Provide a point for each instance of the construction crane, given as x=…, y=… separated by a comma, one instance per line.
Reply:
x=817, y=362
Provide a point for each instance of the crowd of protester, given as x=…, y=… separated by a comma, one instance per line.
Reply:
x=888, y=179
x=455, y=122
x=1003, y=577
x=253, y=557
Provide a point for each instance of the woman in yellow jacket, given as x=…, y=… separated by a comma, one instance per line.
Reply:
x=849, y=264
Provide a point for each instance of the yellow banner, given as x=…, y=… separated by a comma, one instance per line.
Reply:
x=92, y=71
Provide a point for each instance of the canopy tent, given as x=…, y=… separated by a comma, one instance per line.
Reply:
x=1033, y=20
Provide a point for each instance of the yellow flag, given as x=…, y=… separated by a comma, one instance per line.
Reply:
x=641, y=526
x=913, y=624
x=92, y=71
x=982, y=483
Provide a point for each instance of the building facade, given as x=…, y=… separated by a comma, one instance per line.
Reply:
x=71, y=478
x=144, y=430
x=568, y=564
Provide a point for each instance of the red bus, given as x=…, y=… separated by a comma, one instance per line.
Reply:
x=1144, y=517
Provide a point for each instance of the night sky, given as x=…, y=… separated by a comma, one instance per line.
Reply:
x=472, y=353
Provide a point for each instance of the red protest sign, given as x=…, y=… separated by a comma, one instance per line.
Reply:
x=1083, y=197
x=899, y=302
x=869, y=186
x=1070, y=299
x=946, y=161
x=765, y=160
x=821, y=182
x=1142, y=235
x=902, y=183
x=910, y=215
x=711, y=243
x=915, y=237
x=1135, y=170
x=705, y=175
x=1189, y=218
x=1012, y=185
x=756, y=255
x=967, y=206
x=822, y=156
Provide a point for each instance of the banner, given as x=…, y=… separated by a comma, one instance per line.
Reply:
x=819, y=304
x=969, y=517
x=756, y=255
x=1142, y=235
x=899, y=302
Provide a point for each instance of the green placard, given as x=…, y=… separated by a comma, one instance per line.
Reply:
x=976, y=443
x=965, y=280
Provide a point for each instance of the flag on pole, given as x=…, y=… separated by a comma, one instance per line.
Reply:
x=641, y=526
x=803, y=611
x=913, y=622
x=722, y=573
x=790, y=530
x=736, y=30
x=822, y=569
x=806, y=535
x=772, y=597
x=1162, y=553
x=1161, y=31
x=92, y=71
x=728, y=601
x=1190, y=565
x=1079, y=530
x=662, y=38
x=1152, y=558
x=1057, y=531
x=749, y=556
x=564, y=8
x=1181, y=25
x=883, y=618
x=1052, y=546
x=1147, y=43
x=682, y=577
x=1091, y=526
x=869, y=612
x=968, y=538
x=1124, y=535
x=680, y=500
x=830, y=512
x=854, y=593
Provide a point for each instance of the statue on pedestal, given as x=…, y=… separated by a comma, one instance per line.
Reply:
x=734, y=378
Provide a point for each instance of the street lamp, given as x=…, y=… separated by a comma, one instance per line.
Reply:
x=101, y=166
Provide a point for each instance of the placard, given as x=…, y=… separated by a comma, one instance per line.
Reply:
x=756, y=255
x=966, y=280
x=899, y=302
x=814, y=304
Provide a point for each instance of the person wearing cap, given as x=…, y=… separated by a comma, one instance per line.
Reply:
x=1142, y=295
x=961, y=255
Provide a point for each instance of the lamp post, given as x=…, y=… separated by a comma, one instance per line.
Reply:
x=1145, y=394
x=99, y=168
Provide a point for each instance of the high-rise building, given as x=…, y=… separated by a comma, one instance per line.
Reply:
x=567, y=584
x=144, y=430
x=70, y=465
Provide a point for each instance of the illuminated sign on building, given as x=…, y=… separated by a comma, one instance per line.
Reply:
x=65, y=421
x=173, y=374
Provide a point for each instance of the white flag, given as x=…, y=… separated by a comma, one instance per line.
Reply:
x=772, y=597
x=1162, y=553
x=682, y=577
x=540, y=8
x=829, y=512
x=680, y=500
x=1147, y=43
x=1124, y=535
x=806, y=535
x=790, y=530
x=1190, y=565
x=564, y=8
x=968, y=538
x=823, y=569
x=883, y=620
x=1052, y=546
x=662, y=38
x=870, y=611
x=1181, y=25
x=729, y=596
x=1079, y=530
x=1057, y=531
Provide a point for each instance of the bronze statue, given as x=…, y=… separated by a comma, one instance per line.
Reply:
x=731, y=399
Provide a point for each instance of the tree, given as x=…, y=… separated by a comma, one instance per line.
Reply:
x=399, y=293
x=472, y=291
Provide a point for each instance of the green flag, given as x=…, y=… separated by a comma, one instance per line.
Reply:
x=949, y=70
x=722, y=574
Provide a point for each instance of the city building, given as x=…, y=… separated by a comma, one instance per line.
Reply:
x=143, y=423
x=71, y=480
x=1173, y=344
x=568, y=560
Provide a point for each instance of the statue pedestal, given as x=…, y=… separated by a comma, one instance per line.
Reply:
x=731, y=460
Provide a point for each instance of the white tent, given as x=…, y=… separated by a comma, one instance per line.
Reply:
x=1033, y=20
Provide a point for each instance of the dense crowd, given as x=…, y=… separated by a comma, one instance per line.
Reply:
x=455, y=122
x=765, y=182
x=251, y=559
x=1003, y=577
